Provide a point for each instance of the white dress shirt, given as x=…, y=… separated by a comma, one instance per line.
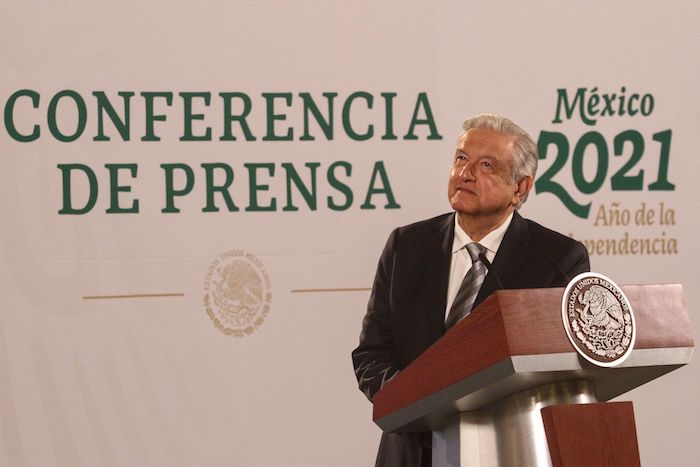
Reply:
x=461, y=262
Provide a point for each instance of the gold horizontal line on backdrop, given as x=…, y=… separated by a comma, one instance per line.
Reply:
x=142, y=295
x=347, y=289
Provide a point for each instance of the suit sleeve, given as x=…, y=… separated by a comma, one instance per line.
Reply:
x=374, y=359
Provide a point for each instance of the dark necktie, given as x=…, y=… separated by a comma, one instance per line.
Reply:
x=469, y=288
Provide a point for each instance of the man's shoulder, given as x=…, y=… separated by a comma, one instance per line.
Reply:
x=546, y=238
x=433, y=231
x=428, y=227
x=428, y=224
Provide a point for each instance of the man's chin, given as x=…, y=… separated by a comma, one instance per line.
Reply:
x=464, y=208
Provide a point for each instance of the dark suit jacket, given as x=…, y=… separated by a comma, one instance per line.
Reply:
x=406, y=310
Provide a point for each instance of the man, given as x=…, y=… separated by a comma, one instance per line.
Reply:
x=432, y=273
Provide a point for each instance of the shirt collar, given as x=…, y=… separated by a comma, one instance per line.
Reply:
x=491, y=241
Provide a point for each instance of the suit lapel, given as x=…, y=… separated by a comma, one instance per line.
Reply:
x=509, y=259
x=434, y=270
x=441, y=264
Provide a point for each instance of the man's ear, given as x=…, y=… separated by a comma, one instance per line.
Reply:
x=522, y=189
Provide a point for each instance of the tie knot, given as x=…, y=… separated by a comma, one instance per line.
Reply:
x=475, y=249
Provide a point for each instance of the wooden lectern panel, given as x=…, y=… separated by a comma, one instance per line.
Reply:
x=659, y=311
x=592, y=435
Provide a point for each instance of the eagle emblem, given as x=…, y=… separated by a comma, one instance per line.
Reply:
x=598, y=319
x=237, y=293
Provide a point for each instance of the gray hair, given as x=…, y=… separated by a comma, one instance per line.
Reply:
x=525, y=154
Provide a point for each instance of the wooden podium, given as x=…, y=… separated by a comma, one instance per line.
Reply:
x=505, y=387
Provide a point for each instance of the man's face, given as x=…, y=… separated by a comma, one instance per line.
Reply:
x=480, y=181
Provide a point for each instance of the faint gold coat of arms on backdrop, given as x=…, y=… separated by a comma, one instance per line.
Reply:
x=237, y=293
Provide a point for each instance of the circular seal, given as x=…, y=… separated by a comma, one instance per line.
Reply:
x=237, y=293
x=598, y=319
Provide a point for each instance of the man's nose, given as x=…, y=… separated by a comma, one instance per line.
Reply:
x=467, y=171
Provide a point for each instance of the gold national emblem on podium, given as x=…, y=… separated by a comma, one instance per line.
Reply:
x=237, y=293
x=598, y=319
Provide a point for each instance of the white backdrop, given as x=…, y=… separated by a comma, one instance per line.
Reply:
x=107, y=353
